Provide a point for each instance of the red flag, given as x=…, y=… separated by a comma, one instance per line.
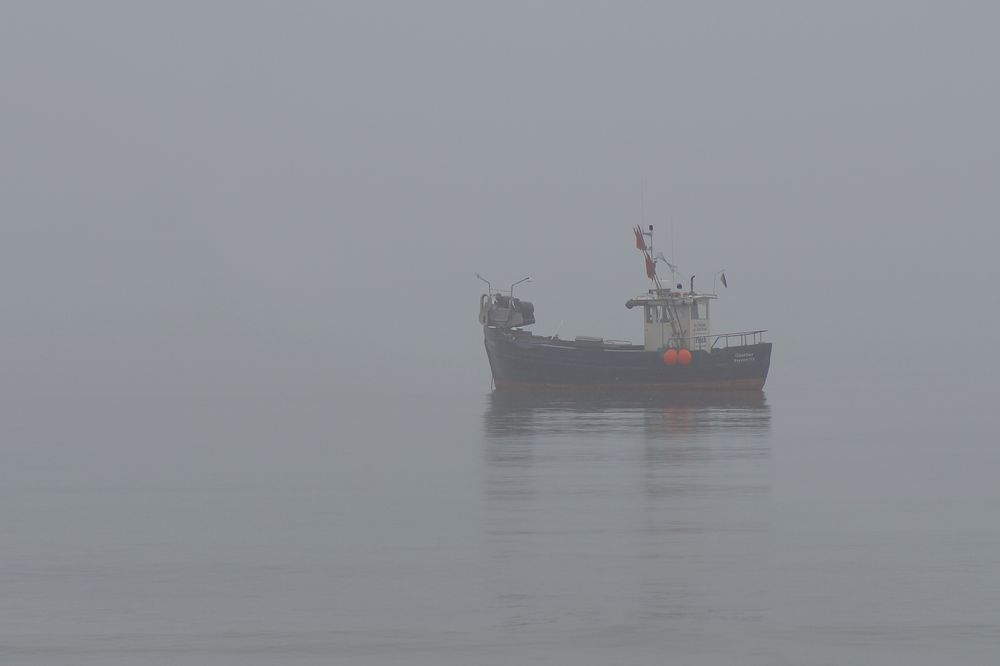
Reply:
x=650, y=268
x=640, y=242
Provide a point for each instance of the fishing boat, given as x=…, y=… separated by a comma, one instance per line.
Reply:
x=679, y=351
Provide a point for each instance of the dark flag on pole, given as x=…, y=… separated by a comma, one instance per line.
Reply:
x=640, y=242
x=724, y=283
x=650, y=268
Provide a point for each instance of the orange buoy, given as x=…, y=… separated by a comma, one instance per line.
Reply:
x=670, y=356
x=684, y=357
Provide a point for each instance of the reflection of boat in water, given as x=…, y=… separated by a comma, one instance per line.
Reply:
x=670, y=436
x=670, y=487
x=679, y=350
x=550, y=411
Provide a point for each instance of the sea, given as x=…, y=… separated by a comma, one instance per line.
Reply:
x=811, y=523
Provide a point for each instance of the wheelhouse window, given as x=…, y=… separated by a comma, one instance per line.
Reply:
x=662, y=313
x=649, y=314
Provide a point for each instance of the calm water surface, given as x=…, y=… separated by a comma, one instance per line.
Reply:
x=796, y=527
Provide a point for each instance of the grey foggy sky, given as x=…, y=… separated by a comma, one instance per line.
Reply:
x=283, y=194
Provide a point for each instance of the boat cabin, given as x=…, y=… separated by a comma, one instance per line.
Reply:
x=674, y=319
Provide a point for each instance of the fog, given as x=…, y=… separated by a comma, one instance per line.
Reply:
x=260, y=194
x=244, y=397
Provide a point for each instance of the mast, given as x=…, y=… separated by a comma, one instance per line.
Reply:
x=661, y=293
x=647, y=252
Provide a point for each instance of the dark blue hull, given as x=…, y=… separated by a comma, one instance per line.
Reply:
x=521, y=360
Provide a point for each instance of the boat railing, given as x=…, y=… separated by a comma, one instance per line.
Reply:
x=720, y=340
x=744, y=337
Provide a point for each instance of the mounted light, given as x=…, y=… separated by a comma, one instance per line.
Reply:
x=525, y=279
x=488, y=285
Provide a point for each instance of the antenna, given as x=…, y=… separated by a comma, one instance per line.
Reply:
x=642, y=201
x=673, y=256
x=488, y=285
